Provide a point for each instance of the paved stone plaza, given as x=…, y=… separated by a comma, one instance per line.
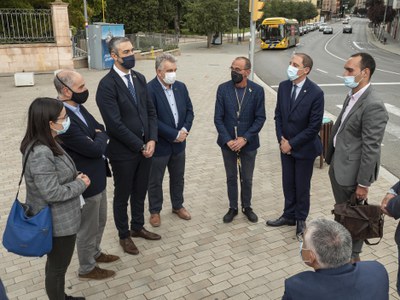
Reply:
x=198, y=259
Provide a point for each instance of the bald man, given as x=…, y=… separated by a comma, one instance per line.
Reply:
x=86, y=141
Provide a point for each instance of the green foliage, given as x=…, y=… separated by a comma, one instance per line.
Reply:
x=301, y=11
x=210, y=16
x=376, y=12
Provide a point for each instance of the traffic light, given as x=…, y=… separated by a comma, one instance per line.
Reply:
x=255, y=12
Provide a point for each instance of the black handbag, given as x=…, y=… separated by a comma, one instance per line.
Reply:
x=364, y=221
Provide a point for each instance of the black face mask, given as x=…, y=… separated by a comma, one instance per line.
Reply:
x=128, y=62
x=79, y=98
x=236, y=77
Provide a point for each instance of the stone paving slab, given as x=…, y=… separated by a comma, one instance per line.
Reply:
x=198, y=259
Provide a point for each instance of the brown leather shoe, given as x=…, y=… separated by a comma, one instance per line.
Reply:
x=97, y=274
x=155, y=220
x=143, y=233
x=129, y=246
x=182, y=213
x=106, y=258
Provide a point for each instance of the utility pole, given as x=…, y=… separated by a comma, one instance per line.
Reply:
x=86, y=31
x=255, y=14
x=238, y=21
x=384, y=21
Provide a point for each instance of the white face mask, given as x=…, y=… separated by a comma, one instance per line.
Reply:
x=292, y=73
x=350, y=81
x=170, y=77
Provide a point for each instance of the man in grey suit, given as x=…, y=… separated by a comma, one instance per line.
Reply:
x=355, y=145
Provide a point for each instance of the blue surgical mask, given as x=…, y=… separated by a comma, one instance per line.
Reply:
x=65, y=124
x=350, y=81
x=292, y=73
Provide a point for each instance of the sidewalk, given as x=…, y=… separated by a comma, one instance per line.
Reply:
x=391, y=44
x=198, y=259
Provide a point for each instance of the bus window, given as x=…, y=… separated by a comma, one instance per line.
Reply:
x=272, y=32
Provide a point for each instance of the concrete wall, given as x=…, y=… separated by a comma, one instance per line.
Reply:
x=41, y=57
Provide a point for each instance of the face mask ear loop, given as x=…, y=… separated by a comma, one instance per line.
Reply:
x=58, y=78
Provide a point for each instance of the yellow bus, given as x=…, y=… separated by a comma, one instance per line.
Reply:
x=280, y=33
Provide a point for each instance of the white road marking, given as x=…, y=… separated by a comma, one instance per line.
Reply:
x=355, y=44
x=342, y=84
x=393, y=109
x=322, y=71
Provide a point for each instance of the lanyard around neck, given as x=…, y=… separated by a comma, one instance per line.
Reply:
x=239, y=102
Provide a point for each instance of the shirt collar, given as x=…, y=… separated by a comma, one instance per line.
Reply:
x=301, y=83
x=75, y=109
x=119, y=72
x=357, y=95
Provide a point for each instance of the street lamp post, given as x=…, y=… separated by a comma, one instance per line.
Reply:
x=86, y=31
x=238, y=22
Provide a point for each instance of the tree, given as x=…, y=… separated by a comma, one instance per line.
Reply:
x=376, y=12
x=301, y=11
x=210, y=17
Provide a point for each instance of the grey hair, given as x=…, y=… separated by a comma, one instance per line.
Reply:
x=115, y=41
x=247, y=63
x=63, y=78
x=164, y=57
x=330, y=242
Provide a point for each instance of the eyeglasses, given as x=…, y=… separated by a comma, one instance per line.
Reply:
x=63, y=118
x=237, y=69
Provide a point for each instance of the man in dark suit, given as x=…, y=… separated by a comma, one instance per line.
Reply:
x=326, y=247
x=298, y=117
x=239, y=116
x=175, y=117
x=354, y=149
x=86, y=141
x=391, y=206
x=131, y=124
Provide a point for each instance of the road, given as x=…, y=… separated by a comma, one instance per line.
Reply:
x=329, y=53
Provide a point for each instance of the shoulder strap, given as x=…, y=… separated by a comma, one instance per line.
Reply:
x=23, y=168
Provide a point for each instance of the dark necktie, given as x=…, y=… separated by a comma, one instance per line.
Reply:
x=293, y=96
x=131, y=88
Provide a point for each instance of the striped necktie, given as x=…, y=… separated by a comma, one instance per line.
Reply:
x=131, y=88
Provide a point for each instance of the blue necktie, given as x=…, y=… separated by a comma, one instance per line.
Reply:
x=293, y=96
x=131, y=88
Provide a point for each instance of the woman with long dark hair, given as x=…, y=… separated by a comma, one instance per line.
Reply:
x=52, y=179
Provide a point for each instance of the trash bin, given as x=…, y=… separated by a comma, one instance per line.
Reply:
x=325, y=134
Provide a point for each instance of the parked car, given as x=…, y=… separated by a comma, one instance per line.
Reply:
x=322, y=26
x=346, y=21
x=347, y=29
x=328, y=30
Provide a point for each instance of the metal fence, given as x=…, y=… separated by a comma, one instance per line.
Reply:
x=79, y=48
x=147, y=41
x=26, y=26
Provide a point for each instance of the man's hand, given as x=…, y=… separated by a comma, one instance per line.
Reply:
x=385, y=202
x=237, y=144
x=285, y=146
x=149, y=151
x=182, y=136
x=361, y=192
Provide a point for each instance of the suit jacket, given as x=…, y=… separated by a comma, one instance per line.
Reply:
x=167, y=130
x=393, y=207
x=87, y=149
x=366, y=280
x=52, y=180
x=300, y=123
x=251, y=119
x=358, y=142
x=129, y=126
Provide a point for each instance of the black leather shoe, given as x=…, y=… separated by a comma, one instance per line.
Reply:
x=281, y=221
x=230, y=215
x=73, y=298
x=301, y=226
x=248, y=211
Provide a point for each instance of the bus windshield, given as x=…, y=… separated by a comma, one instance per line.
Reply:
x=273, y=32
